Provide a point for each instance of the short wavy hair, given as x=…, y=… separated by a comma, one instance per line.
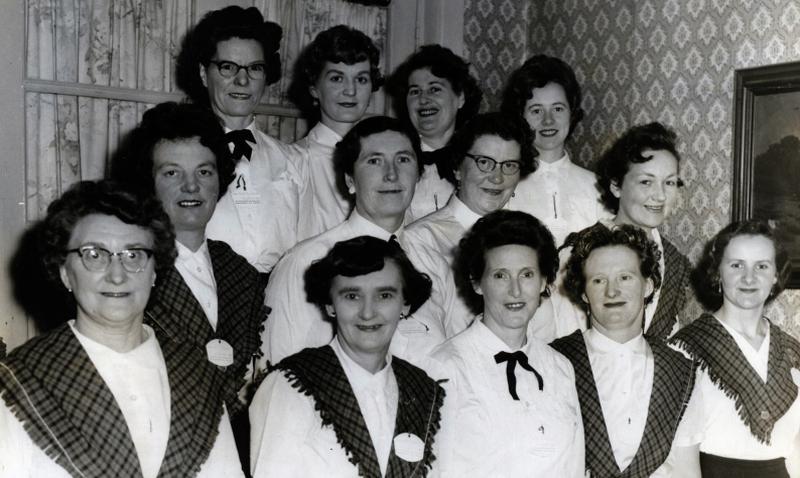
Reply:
x=501, y=228
x=361, y=256
x=339, y=44
x=492, y=124
x=616, y=162
x=133, y=165
x=584, y=242
x=706, y=279
x=112, y=199
x=443, y=63
x=200, y=45
x=536, y=72
x=347, y=150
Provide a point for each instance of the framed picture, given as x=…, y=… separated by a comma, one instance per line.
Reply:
x=766, y=152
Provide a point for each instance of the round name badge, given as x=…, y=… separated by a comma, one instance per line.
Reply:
x=219, y=352
x=409, y=447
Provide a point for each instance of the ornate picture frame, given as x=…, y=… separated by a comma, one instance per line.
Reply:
x=766, y=152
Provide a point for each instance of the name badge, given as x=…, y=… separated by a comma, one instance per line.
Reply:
x=409, y=447
x=246, y=199
x=219, y=352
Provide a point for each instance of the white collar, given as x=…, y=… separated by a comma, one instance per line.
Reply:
x=490, y=342
x=555, y=166
x=462, y=213
x=599, y=343
x=362, y=224
x=185, y=254
x=251, y=127
x=324, y=135
x=423, y=146
x=358, y=375
x=144, y=354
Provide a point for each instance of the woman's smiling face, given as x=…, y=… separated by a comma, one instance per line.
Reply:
x=649, y=190
x=549, y=117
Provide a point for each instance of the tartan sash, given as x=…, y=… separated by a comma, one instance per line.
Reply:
x=759, y=405
x=76, y=420
x=673, y=292
x=174, y=310
x=316, y=372
x=673, y=380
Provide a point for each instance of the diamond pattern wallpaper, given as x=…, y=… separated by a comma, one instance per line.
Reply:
x=650, y=60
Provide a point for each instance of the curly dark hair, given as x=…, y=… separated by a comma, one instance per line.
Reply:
x=360, y=256
x=615, y=163
x=706, y=279
x=501, y=228
x=339, y=44
x=348, y=149
x=597, y=236
x=108, y=198
x=132, y=164
x=443, y=63
x=536, y=72
x=492, y=124
x=200, y=45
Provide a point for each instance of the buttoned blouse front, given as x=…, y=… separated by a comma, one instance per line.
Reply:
x=294, y=323
x=485, y=432
x=198, y=274
x=258, y=215
x=323, y=207
x=562, y=195
x=623, y=375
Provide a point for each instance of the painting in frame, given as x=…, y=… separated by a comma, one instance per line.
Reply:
x=766, y=153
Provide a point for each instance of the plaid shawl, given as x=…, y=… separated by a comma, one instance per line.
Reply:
x=52, y=387
x=316, y=372
x=673, y=379
x=673, y=292
x=174, y=310
x=759, y=405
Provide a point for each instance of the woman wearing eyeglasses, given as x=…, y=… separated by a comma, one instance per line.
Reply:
x=226, y=62
x=490, y=154
x=103, y=394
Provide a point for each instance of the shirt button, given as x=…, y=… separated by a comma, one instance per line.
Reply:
x=764, y=415
x=134, y=398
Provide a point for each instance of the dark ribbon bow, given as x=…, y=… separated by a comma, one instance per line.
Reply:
x=444, y=164
x=240, y=138
x=511, y=359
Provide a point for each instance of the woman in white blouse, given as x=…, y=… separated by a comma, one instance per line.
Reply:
x=511, y=407
x=350, y=408
x=489, y=155
x=747, y=382
x=435, y=92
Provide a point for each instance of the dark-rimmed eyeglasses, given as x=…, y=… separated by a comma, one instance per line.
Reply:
x=97, y=259
x=229, y=69
x=487, y=164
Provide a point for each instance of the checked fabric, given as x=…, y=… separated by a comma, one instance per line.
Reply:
x=174, y=310
x=77, y=422
x=759, y=404
x=317, y=373
x=673, y=292
x=673, y=380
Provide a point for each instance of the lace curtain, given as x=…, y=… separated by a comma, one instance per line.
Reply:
x=88, y=44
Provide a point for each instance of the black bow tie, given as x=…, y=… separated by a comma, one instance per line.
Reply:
x=240, y=138
x=511, y=359
x=444, y=164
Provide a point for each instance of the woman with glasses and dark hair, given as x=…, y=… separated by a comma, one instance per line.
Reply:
x=749, y=369
x=350, y=408
x=511, y=407
x=545, y=94
x=333, y=82
x=490, y=154
x=103, y=394
x=435, y=92
x=225, y=63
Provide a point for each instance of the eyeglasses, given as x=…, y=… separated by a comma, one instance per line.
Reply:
x=487, y=164
x=229, y=69
x=97, y=259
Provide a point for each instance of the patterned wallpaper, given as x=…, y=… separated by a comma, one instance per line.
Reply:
x=646, y=60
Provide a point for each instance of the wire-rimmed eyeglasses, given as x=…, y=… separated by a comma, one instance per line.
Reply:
x=229, y=69
x=97, y=259
x=487, y=164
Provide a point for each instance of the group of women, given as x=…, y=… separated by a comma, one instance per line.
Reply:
x=377, y=299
